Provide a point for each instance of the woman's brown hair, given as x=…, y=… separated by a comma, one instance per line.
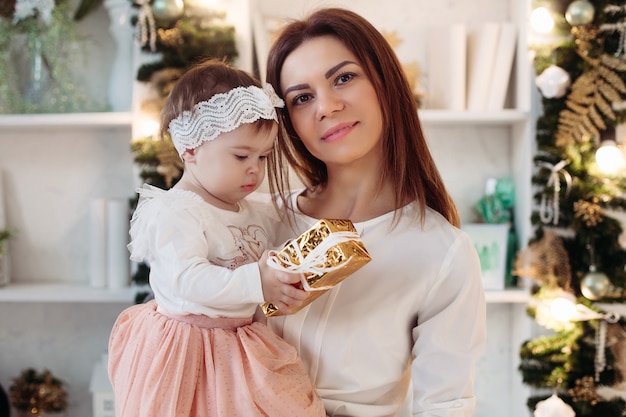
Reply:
x=409, y=162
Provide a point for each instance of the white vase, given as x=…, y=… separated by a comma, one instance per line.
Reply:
x=122, y=75
x=33, y=69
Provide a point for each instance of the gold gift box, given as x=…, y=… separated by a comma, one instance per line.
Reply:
x=352, y=250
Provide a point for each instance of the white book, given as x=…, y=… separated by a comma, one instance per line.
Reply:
x=481, y=57
x=505, y=54
x=446, y=66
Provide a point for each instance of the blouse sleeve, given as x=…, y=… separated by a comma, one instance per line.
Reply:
x=180, y=268
x=450, y=336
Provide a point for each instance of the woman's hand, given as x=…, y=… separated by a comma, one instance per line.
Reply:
x=280, y=288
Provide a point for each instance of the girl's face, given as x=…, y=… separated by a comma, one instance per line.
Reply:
x=332, y=104
x=232, y=165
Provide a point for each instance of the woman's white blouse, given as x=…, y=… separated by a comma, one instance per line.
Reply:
x=407, y=328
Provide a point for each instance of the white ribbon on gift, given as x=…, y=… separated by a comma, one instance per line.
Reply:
x=546, y=213
x=314, y=261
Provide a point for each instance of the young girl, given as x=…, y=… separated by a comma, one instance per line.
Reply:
x=400, y=337
x=194, y=350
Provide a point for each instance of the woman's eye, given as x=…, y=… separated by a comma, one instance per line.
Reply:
x=344, y=78
x=301, y=99
x=263, y=157
x=241, y=157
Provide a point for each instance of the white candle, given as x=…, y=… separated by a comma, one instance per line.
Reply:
x=118, y=264
x=97, y=243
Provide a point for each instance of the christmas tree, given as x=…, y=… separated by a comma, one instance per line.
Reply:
x=575, y=259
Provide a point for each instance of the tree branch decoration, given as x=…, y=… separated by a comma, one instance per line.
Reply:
x=590, y=101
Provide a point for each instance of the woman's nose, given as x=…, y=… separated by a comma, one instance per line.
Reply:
x=328, y=103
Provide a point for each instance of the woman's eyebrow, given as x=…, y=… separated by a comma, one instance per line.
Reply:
x=336, y=68
x=327, y=75
x=295, y=87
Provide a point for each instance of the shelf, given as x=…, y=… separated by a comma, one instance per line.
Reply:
x=36, y=121
x=74, y=293
x=104, y=119
x=510, y=296
x=65, y=293
x=503, y=117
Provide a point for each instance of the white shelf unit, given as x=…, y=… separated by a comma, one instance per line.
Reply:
x=65, y=293
x=69, y=120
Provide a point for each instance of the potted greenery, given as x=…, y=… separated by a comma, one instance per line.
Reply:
x=5, y=235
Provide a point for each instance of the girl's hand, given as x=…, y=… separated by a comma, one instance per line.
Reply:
x=279, y=288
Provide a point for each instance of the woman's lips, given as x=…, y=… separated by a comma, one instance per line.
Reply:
x=338, y=132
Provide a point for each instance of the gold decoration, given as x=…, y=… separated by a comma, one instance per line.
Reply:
x=591, y=97
x=589, y=211
x=35, y=393
x=584, y=390
x=351, y=254
x=392, y=38
x=546, y=262
x=171, y=38
x=170, y=164
x=411, y=70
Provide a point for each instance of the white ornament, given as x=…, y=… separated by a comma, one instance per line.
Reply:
x=553, y=82
x=553, y=407
x=595, y=284
x=168, y=11
x=579, y=12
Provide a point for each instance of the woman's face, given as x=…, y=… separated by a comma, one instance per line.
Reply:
x=332, y=104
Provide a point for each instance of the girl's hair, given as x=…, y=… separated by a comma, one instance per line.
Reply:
x=201, y=82
x=409, y=163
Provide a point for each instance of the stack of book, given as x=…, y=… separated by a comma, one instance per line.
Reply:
x=470, y=69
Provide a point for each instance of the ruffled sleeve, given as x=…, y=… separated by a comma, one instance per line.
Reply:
x=139, y=224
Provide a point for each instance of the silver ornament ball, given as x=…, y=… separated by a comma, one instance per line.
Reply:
x=168, y=10
x=595, y=285
x=579, y=12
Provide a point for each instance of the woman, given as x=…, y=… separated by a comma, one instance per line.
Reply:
x=401, y=336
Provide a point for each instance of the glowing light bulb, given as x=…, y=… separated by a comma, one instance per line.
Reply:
x=609, y=157
x=563, y=309
x=541, y=20
x=148, y=127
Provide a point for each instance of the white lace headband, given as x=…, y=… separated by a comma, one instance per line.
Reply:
x=223, y=113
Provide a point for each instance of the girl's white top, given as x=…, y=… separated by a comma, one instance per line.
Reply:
x=202, y=259
x=400, y=336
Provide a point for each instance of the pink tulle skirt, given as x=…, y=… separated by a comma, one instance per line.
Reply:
x=197, y=366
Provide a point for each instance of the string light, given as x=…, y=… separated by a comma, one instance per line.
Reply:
x=609, y=157
x=148, y=127
x=541, y=20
